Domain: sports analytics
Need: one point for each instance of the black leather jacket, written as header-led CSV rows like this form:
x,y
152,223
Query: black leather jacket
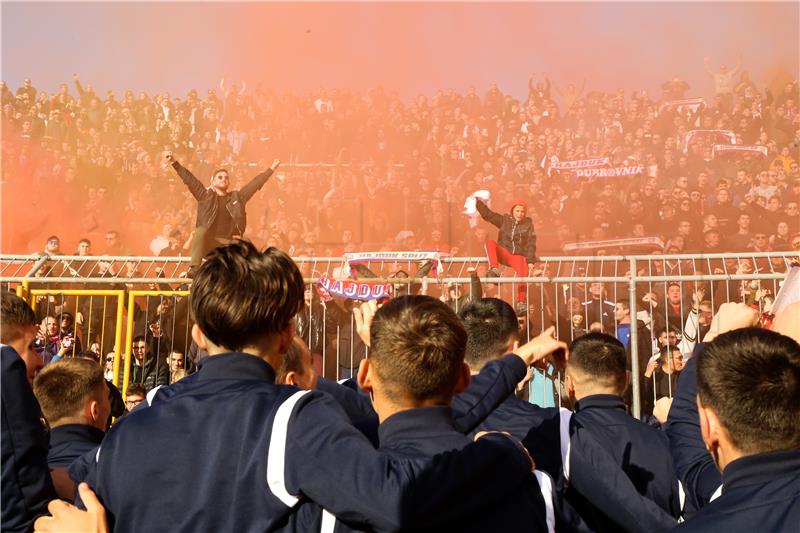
x,y
516,237
207,198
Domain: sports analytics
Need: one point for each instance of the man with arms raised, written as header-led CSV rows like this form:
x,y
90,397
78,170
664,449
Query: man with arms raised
x,y
221,215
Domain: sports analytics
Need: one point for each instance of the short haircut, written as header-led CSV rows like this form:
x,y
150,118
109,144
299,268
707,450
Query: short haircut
x,y
241,296
53,238
225,170
292,361
15,314
625,303
139,338
751,379
64,387
490,324
85,240
601,357
136,389
418,346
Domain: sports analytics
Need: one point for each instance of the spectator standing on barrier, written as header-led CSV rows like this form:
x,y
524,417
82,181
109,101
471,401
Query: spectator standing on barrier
x,y
516,242
221,215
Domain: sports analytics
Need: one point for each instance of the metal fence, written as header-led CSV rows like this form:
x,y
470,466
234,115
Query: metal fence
x,y
670,299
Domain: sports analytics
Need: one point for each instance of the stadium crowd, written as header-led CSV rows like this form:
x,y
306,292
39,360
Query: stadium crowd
x,y
260,442
370,171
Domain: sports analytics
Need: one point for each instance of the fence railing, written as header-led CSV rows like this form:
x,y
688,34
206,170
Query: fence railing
x,y
665,294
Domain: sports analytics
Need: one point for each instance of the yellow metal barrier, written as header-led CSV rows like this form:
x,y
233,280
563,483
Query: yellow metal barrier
x,y
23,289
117,293
132,295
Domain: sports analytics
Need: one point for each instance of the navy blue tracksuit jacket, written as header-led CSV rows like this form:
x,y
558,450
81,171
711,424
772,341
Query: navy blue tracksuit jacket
x,y
755,493
759,493
429,431
226,449
70,441
618,473
26,483
619,469
487,390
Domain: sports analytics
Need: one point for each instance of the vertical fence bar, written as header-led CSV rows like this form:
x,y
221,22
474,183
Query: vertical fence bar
x,y
117,337
634,340
128,342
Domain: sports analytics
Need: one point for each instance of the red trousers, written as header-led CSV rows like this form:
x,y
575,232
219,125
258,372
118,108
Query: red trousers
x,y
500,256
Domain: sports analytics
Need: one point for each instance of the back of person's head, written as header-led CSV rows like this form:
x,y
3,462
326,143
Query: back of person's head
x,y
296,368
242,297
73,391
417,350
597,361
491,326
750,378
15,316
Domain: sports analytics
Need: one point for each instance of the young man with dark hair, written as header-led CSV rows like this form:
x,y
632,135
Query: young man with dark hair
x,y
261,452
736,411
26,484
492,332
136,394
147,368
221,214
415,366
75,402
610,452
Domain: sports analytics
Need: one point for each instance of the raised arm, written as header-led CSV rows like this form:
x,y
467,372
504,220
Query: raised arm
x,y
488,389
498,379
256,183
496,219
390,492
194,185
693,464
78,84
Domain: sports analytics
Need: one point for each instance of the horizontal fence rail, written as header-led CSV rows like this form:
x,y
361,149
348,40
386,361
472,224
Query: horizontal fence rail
x,y
669,299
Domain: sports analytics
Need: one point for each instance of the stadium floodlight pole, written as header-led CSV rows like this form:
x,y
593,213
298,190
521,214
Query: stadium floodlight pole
x,y
634,340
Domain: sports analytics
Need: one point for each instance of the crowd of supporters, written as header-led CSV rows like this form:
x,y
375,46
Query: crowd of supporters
x,y
368,170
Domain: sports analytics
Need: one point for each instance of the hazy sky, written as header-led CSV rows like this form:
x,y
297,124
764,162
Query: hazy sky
x,y
409,47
